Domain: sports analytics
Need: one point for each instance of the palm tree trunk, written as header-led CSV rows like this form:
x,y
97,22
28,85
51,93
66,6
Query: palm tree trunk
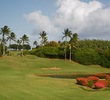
x,y
65,46
3,49
70,52
17,47
22,52
3,43
23,48
65,52
9,49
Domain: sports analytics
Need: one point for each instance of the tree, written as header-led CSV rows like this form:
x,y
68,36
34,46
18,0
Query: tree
x,y
24,39
11,37
67,33
4,31
73,42
74,39
0,41
18,43
43,37
52,43
35,43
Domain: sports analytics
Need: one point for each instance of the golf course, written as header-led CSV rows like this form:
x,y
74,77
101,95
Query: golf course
x,y
54,50
20,79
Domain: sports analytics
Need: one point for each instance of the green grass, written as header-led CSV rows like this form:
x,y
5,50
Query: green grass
x,y
18,80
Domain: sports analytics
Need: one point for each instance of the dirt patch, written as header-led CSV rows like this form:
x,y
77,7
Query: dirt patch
x,y
52,68
31,75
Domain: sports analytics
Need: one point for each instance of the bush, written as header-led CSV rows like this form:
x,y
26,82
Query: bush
x,y
108,82
87,56
94,82
93,78
101,84
48,51
102,76
51,52
105,61
82,81
90,83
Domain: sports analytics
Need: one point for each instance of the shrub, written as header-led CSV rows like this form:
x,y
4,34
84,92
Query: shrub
x,y
90,83
46,51
93,78
102,76
86,56
101,84
82,81
105,61
108,82
94,82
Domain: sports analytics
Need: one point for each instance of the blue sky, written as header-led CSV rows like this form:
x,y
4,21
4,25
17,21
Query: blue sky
x,y
33,16
12,12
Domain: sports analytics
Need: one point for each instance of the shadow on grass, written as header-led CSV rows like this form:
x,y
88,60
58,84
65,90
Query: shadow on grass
x,y
94,90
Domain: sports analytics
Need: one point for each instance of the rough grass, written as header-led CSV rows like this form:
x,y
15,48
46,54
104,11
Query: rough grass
x,y
18,80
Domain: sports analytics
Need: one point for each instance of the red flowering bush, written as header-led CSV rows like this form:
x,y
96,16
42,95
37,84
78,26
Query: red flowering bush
x,y
93,78
102,76
108,78
101,84
108,82
82,81
99,81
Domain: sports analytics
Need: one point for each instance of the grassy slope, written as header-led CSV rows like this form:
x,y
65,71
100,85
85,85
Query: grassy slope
x,y
17,80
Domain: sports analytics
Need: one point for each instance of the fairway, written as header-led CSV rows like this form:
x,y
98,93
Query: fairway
x,y
18,80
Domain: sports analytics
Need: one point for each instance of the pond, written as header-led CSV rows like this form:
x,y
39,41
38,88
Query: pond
x,y
67,76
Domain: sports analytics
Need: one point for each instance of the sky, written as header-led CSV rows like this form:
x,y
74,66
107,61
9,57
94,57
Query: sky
x,y
90,19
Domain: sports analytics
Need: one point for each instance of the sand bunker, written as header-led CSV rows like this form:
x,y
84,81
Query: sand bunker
x,y
52,68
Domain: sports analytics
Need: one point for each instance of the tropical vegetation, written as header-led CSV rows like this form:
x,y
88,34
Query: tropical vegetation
x,y
70,47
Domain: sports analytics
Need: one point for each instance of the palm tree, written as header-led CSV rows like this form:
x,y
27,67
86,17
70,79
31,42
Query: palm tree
x,y
43,37
18,43
73,42
35,43
67,33
24,39
0,41
4,31
11,37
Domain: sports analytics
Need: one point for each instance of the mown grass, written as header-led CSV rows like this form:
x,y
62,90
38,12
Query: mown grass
x,y
19,82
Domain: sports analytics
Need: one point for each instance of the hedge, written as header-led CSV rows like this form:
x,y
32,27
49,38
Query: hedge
x,y
86,56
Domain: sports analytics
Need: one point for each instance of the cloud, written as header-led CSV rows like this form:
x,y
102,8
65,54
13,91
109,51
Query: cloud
x,y
41,22
88,19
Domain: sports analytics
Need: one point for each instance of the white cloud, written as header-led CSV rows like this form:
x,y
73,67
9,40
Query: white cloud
x,y
97,24
42,23
89,20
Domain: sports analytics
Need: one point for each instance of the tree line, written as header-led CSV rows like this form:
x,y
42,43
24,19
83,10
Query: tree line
x,y
85,51
70,47
8,36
